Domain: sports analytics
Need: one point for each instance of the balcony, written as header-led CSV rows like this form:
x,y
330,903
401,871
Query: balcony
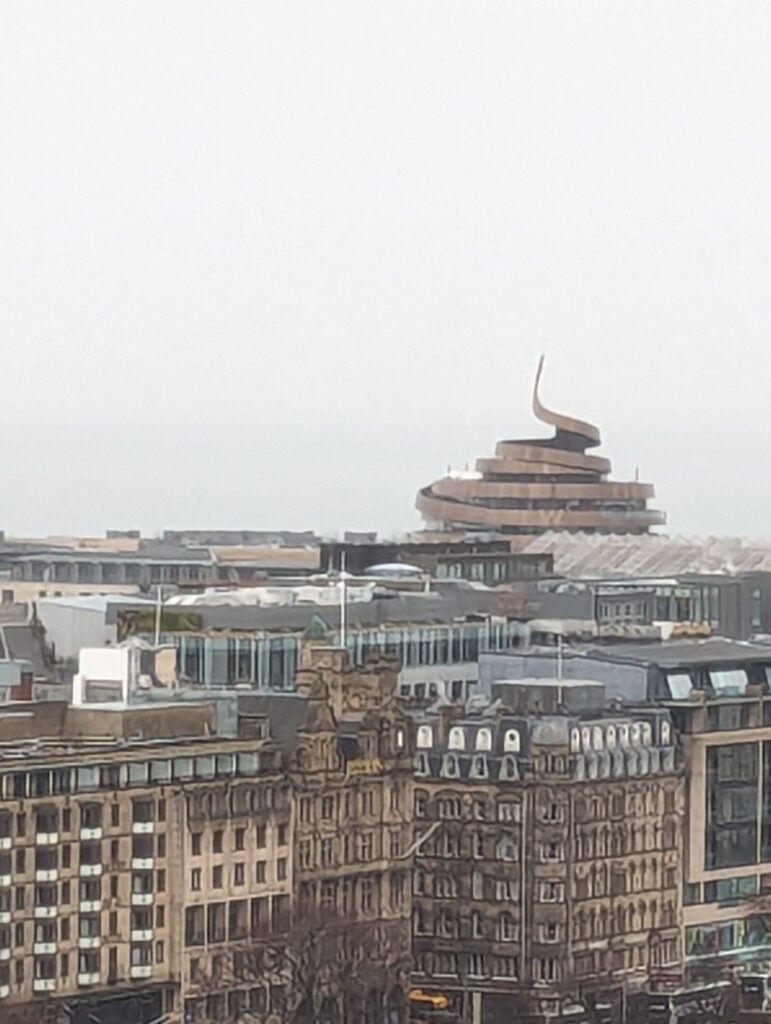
x,y
142,935
44,985
142,863
141,899
46,839
90,870
141,970
90,833
142,828
44,948
88,979
45,913
90,941
46,875
90,906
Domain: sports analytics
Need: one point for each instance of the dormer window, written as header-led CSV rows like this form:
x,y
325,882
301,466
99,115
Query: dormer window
x,y
611,737
457,739
730,682
635,734
597,743
479,767
509,768
450,766
623,735
645,733
586,737
511,741
484,739
425,737
666,734
575,741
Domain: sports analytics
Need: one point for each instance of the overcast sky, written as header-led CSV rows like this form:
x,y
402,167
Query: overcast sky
x,y
276,264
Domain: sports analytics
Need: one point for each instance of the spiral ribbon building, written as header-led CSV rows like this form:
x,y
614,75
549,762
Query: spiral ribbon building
x,y
533,486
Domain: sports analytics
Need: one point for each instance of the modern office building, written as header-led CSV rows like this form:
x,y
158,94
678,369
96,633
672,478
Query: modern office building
x,y
536,485
718,694
436,636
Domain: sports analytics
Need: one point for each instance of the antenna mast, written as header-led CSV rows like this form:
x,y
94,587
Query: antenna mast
x,y
158,606
343,604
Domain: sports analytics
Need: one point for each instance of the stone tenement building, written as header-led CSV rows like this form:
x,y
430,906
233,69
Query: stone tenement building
x,y
151,871
542,484
548,864
347,744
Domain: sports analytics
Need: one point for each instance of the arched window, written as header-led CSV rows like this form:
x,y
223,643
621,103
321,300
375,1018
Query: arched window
x,y
479,767
575,741
666,734
477,885
635,733
506,848
449,807
425,736
599,881
511,741
484,739
586,737
509,768
450,766
646,733
623,735
457,740
597,743
611,737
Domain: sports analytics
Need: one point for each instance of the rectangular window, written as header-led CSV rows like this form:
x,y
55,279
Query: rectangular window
x,y
215,922
732,792
725,717
730,890
691,894
194,926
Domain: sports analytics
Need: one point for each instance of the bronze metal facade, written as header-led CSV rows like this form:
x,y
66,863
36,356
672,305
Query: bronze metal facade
x,y
532,486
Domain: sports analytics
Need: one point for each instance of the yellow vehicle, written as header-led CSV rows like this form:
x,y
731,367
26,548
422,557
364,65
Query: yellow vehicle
x,y
431,1008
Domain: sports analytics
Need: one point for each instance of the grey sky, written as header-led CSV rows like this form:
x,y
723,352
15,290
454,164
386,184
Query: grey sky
x,y
278,263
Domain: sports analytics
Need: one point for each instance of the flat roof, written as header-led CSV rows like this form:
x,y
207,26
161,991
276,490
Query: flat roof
x,y
683,652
